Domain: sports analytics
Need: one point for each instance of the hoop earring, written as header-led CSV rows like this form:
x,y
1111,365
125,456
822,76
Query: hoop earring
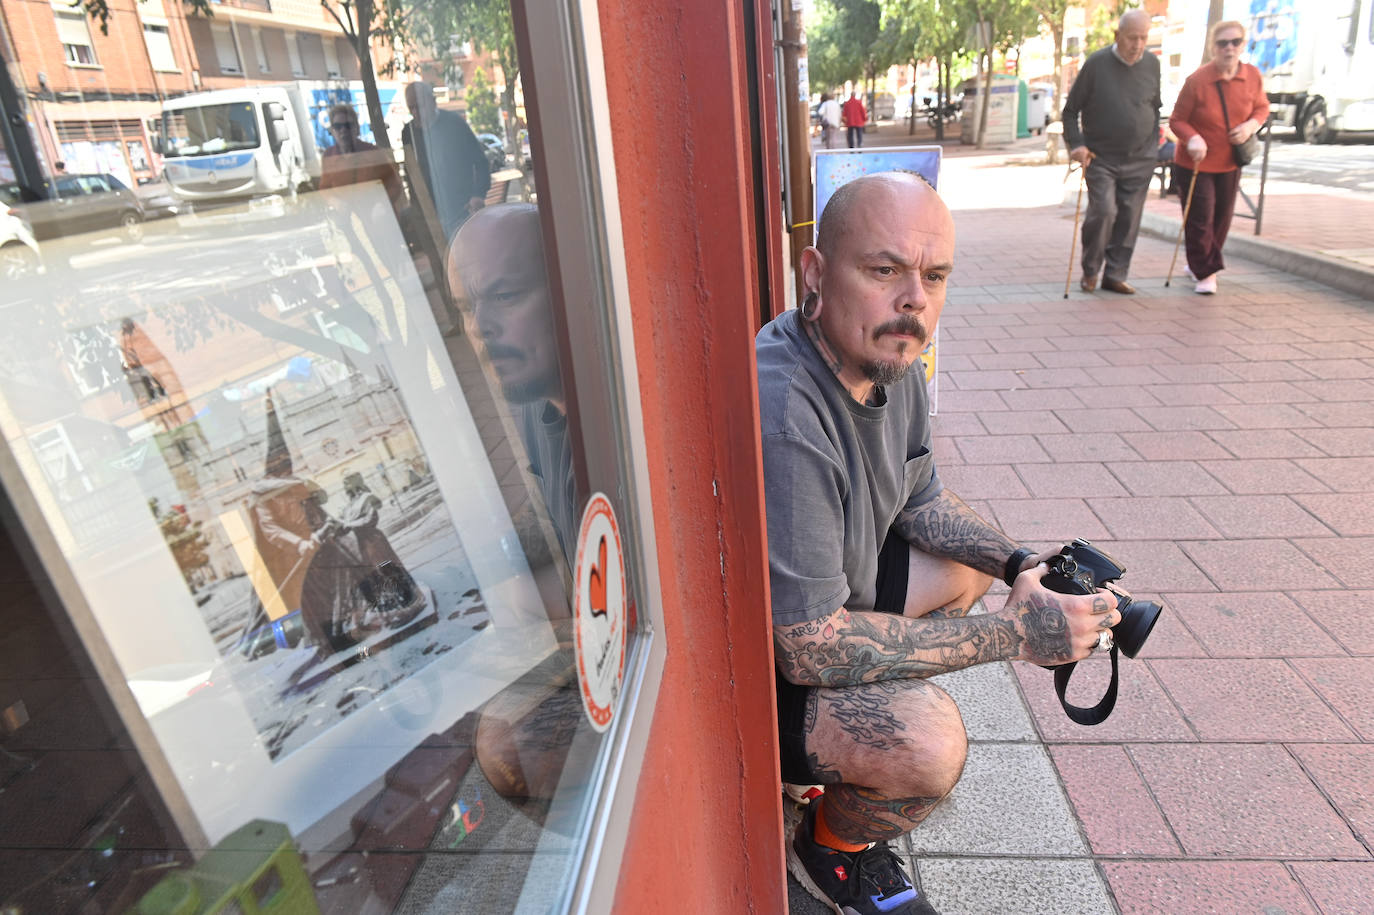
x,y
808,306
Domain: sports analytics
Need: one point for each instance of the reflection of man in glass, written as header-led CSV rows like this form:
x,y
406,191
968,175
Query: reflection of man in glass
x,y
445,166
496,265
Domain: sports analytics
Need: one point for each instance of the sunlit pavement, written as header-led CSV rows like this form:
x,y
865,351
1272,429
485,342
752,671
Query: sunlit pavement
x,y
1221,447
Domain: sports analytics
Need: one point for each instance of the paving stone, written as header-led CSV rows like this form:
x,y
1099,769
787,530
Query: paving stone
x,y
1266,416
1166,478
1259,516
1260,565
1339,887
1344,614
1021,422
1252,699
1143,710
1341,771
1069,479
1343,442
1199,887
1000,449
1242,800
1347,685
989,702
983,481
1263,443
1345,516
1342,474
1174,446
1047,520
1350,559
1106,419
973,820
1087,446
1263,476
1252,625
1148,517
979,886
1112,802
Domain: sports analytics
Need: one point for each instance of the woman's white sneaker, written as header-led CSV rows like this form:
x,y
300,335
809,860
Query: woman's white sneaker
x,y
1206,286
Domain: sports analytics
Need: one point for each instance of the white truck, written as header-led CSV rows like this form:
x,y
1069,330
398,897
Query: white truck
x,y
1317,60
260,141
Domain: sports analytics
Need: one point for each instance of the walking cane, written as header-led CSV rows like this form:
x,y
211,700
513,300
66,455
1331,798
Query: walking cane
x,y
1082,177
1187,204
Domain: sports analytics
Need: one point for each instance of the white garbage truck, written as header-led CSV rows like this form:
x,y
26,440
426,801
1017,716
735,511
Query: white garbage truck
x,y
1317,58
265,141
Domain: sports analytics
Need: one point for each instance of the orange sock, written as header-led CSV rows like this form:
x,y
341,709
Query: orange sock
x,y
824,836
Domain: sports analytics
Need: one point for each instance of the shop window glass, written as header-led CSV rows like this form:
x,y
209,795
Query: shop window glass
x,y
307,604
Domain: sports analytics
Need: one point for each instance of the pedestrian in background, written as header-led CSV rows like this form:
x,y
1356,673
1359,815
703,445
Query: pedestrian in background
x,y
1222,103
1116,96
855,117
830,119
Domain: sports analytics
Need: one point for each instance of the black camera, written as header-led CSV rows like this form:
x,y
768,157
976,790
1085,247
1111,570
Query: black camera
x,y
1081,568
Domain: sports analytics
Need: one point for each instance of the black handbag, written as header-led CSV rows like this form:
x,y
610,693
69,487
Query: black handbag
x,y
1242,153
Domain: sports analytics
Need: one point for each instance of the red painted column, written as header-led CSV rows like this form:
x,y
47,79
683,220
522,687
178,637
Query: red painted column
x,y
706,834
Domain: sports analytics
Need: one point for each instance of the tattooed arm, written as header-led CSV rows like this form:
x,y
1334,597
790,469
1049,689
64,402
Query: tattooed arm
x,y
946,526
847,648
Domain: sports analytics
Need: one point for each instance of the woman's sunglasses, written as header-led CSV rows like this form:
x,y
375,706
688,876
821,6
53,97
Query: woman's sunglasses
x,y
1229,42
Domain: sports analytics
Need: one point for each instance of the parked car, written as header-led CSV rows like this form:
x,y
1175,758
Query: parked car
x,y
495,149
158,199
18,249
78,204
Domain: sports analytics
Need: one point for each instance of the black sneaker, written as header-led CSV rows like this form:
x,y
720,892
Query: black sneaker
x,y
868,882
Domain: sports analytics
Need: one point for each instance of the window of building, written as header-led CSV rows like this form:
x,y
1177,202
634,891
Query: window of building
x,y
75,35
331,58
293,52
226,49
260,51
159,42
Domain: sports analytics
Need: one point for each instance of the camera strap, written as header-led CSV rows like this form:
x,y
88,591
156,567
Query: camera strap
x,y
1098,713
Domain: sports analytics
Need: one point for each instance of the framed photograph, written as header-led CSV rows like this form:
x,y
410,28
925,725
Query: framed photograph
x,y
268,491
836,167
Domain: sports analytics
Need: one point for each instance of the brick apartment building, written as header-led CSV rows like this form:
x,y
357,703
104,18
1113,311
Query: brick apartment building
x,y
95,96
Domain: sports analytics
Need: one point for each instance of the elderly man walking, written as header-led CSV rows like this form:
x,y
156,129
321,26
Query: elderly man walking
x,y
1116,96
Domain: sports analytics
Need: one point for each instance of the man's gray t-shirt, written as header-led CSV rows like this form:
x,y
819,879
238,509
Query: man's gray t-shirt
x,y
835,474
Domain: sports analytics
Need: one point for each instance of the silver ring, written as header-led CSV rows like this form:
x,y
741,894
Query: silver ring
x,y
1104,641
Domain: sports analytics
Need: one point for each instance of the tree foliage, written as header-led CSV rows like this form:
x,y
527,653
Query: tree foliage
x,y
1052,13
842,40
439,24
484,112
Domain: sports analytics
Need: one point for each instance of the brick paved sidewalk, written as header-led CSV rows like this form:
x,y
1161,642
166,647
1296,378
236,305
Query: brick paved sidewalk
x,y
1223,449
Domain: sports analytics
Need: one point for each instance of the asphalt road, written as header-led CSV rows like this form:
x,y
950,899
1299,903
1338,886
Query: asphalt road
x,y
1348,164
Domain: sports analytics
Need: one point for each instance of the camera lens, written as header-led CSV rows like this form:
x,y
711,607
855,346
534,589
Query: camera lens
x,y
1138,618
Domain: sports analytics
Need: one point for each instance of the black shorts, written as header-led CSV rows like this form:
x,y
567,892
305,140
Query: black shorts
x,y
894,565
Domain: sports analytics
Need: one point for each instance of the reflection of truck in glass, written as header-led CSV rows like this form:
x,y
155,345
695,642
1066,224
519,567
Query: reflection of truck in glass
x,y
1318,63
258,141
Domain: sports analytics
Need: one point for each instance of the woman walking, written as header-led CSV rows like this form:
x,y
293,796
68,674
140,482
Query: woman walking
x,y
1222,103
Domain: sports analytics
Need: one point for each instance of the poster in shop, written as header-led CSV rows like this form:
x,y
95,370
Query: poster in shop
x,y
836,167
250,446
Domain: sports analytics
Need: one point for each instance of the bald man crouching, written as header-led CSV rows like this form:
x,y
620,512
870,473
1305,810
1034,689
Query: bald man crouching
x,y
873,564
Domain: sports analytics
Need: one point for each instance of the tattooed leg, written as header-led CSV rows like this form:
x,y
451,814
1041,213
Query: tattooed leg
x,y
892,750
939,587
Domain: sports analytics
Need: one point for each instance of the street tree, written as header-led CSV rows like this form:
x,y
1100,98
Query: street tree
x,y
939,30
1052,13
1000,25
486,24
844,41
484,112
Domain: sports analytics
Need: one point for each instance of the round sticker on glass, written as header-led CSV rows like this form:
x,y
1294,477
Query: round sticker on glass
x,y
599,611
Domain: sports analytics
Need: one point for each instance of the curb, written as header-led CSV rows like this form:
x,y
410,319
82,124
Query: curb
x,y
1343,275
